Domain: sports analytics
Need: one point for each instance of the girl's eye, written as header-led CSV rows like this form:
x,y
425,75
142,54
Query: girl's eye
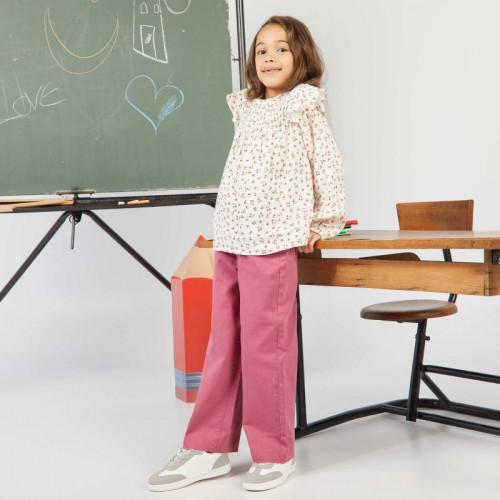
x,y
282,49
261,52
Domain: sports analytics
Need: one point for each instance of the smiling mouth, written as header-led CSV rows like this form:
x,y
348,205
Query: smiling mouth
x,y
270,71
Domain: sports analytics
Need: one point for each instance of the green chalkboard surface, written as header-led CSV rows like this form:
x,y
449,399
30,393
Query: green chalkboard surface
x,y
113,95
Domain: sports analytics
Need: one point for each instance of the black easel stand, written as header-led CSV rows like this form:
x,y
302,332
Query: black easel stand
x,y
76,211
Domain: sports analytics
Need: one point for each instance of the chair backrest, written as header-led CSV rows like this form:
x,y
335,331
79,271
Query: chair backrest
x,y
437,216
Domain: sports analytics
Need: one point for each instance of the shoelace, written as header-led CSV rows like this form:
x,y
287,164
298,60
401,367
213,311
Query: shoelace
x,y
181,456
262,466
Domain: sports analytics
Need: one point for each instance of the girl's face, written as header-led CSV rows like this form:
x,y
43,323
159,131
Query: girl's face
x,y
273,59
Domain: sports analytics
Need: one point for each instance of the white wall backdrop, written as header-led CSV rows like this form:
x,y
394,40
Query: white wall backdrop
x,y
414,104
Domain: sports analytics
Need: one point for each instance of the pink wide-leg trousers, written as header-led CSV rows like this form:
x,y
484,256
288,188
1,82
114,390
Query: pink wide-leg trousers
x,y
250,371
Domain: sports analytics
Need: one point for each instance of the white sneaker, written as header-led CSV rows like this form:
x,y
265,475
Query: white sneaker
x,y
187,467
262,477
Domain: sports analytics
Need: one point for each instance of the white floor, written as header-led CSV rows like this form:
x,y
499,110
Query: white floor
x,y
100,435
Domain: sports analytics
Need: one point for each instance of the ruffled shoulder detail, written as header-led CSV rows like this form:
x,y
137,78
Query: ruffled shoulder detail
x,y
238,104
304,97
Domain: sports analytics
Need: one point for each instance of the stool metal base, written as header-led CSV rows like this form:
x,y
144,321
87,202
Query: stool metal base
x,y
400,407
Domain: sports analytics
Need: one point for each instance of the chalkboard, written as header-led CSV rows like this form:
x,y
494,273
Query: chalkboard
x,y
113,95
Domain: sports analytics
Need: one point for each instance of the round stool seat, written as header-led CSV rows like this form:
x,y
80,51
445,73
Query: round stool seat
x,y
409,310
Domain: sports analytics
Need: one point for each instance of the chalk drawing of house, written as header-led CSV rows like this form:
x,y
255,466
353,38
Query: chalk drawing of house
x,y
149,30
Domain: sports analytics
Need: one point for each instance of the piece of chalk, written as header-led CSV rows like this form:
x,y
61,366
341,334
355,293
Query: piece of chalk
x,y
137,202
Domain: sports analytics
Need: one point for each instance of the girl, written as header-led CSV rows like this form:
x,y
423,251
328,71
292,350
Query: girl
x,y
281,191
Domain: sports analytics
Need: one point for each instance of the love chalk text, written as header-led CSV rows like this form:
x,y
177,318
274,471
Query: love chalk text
x,y
24,105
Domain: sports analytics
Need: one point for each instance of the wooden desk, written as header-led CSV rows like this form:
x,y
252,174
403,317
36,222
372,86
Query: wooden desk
x,y
467,278
471,278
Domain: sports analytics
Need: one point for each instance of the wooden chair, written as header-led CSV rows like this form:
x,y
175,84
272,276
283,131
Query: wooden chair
x,y
425,216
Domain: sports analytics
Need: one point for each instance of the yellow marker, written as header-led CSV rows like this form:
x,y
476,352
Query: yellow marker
x,y
137,202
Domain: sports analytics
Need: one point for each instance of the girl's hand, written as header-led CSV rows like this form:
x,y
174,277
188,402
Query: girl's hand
x,y
313,238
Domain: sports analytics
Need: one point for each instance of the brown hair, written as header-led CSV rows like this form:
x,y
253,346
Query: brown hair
x,y
308,65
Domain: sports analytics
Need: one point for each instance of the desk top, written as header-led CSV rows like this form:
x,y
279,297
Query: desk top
x,y
488,240
471,278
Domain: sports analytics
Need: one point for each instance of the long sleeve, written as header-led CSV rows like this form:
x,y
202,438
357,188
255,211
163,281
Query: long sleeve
x,y
327,174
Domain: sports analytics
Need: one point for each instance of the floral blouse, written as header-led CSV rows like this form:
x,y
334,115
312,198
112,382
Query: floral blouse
x,y
284,176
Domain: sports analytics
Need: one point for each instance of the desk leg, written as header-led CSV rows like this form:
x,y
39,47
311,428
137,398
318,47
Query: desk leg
x,y
301,386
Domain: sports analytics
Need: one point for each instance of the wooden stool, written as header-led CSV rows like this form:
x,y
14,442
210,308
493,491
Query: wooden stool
x,y
428,216
412,311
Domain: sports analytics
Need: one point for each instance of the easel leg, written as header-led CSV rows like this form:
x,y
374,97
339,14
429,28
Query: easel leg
x,y
128,248
27,263
53,230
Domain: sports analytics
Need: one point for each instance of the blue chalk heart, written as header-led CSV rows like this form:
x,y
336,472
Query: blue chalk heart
x,y
166,100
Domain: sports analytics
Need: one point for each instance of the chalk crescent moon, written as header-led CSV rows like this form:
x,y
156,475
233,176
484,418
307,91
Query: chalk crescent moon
x,y
176,11
91,62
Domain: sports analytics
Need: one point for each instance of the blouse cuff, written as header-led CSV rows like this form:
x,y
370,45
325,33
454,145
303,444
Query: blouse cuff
x,y
328,228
